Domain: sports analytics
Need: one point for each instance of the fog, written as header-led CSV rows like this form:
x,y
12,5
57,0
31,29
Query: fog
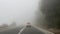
x,y
20,11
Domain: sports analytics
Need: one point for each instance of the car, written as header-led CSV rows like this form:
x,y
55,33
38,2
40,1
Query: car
x,y
28,25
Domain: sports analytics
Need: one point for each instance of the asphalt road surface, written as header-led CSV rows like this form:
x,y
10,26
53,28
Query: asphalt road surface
x,y
27,30
31,30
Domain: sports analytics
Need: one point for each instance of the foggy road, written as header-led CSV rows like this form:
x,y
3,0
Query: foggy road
x,y
27,30
31,30
24,30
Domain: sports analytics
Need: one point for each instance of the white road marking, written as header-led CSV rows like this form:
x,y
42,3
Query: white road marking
x,y
21,30
43,30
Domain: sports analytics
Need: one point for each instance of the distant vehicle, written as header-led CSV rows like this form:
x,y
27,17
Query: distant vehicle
x,y
28,24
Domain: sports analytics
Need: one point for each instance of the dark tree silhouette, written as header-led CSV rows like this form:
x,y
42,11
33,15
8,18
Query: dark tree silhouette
x,y
51,10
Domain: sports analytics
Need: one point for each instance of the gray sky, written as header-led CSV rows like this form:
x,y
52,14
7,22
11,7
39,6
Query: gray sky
x,y
21,11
